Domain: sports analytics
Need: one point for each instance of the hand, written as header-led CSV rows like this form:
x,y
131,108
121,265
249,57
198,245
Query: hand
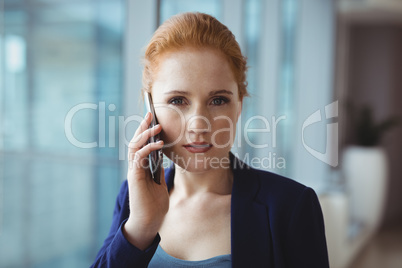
x,y
149,201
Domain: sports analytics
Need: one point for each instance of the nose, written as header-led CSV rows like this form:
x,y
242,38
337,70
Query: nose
x,y
198,122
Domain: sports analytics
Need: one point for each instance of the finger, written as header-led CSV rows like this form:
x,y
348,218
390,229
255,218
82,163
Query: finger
x,y
147,149
140,157
144,124
134,146
142,138
141,128
143,153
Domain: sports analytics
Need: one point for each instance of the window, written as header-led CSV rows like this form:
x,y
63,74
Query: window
x,y
57,199
169,8
70,69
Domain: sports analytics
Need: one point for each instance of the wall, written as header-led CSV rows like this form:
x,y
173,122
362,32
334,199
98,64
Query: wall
x,y
374,78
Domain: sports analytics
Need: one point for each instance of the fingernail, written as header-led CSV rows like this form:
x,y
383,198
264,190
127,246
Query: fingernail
x,y
148,115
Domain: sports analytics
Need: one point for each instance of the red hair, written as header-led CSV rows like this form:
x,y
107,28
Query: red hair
x,y
197,30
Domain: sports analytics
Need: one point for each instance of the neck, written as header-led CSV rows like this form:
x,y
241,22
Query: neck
x,y
215,181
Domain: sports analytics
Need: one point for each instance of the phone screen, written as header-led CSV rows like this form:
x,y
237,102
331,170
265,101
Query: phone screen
x,y
155,158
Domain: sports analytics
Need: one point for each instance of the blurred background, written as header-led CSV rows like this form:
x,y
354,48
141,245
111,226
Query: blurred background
x,y
326,96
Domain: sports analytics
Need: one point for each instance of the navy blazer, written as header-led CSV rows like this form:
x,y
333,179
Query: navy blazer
x,y
275,222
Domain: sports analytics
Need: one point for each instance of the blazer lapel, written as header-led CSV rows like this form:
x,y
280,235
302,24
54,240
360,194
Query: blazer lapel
x,y
251,236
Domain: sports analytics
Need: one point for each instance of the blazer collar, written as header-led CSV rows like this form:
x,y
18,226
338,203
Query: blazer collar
x,y
250,232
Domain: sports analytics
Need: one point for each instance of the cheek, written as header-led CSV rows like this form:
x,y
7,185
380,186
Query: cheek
x,y
224,130
172,124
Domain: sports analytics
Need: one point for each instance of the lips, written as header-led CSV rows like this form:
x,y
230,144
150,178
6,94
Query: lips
x,y
198,147
197,144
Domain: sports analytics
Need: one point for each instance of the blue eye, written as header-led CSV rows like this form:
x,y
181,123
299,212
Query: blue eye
x,y
219,101
179,101
176,101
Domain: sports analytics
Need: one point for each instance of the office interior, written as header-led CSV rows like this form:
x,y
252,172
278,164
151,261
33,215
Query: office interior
x,y
320,72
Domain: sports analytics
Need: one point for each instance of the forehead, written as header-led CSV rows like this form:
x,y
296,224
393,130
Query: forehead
x,y
194,69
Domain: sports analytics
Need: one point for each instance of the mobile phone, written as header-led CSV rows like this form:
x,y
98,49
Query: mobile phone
x,y
155,158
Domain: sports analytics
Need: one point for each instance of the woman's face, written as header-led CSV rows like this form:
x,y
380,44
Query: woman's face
x,y
196,101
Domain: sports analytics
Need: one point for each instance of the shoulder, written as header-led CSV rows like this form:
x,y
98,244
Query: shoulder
x,y
277,187
282,196
270,186
265,179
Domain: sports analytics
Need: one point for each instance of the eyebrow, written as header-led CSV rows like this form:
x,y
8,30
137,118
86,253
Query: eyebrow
x,y
214,92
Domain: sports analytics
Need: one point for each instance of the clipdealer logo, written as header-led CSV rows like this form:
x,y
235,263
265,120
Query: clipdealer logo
x,y
330,156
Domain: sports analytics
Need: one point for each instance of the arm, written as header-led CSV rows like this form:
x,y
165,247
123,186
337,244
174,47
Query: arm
x,y
117,251
305,243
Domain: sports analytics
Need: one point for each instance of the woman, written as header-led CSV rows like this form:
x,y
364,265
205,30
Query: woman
x,y
210,209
